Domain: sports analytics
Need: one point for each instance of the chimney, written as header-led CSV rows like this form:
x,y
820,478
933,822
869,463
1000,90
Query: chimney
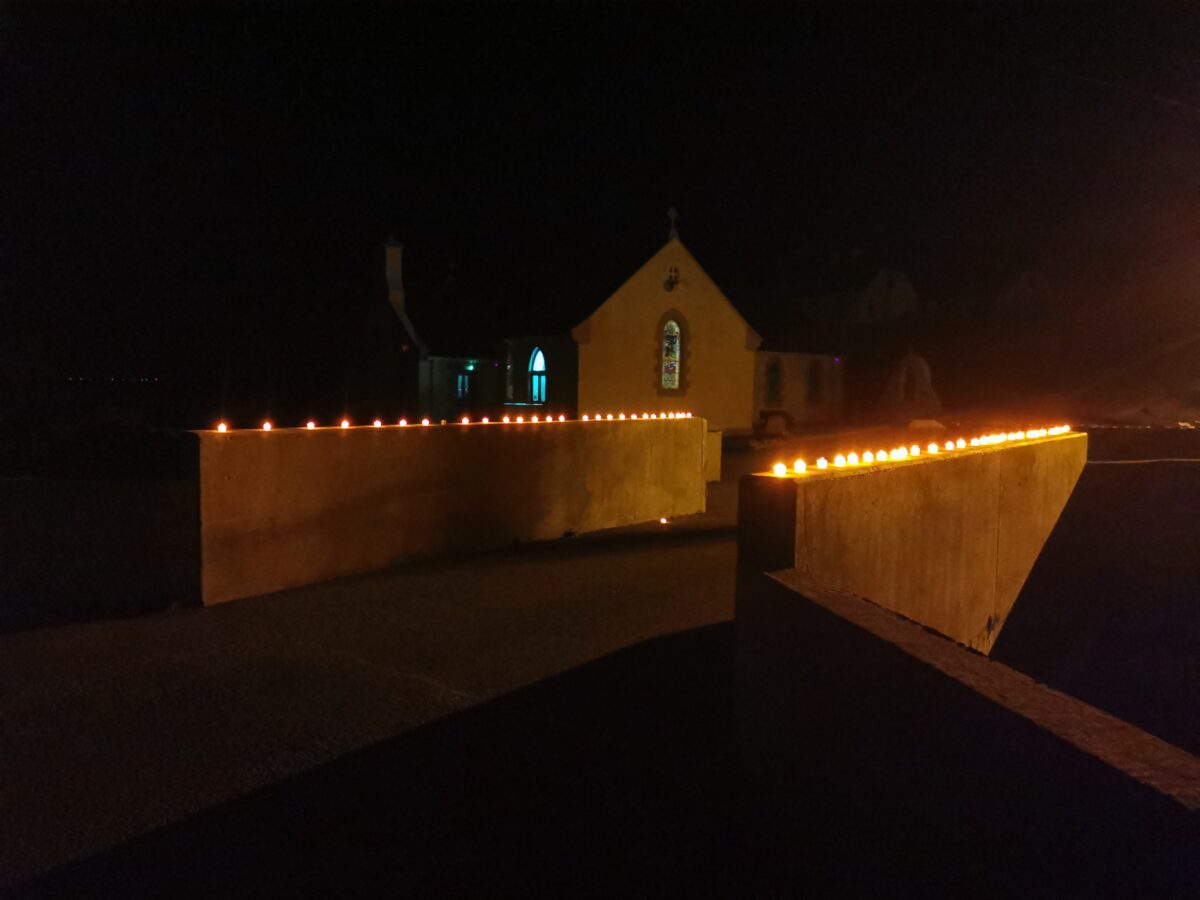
x,y
394,254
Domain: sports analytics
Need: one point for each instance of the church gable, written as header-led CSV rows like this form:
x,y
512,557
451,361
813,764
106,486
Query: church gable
x,y
670,279
668,338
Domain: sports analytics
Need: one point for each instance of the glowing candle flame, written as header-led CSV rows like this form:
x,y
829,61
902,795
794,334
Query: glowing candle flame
x,y
310,425
662,521
377,424
839,461
852,459
868,457
799,466
465,421
881,456
779,469
520,418
633,415
822,463
932,448
221,426
345,423
914,450
534,418
949,445
960,444
266,426
900,453
562,418
484,420
621,416
403,422
505,419
609,417
975,442
585,418
424,421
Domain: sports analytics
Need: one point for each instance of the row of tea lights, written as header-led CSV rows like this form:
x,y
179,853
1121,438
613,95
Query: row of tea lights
x,y
799,467
311,425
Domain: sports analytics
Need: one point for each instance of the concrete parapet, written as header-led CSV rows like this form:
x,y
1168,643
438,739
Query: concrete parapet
x,y
250,512
946,540
830,683
294,506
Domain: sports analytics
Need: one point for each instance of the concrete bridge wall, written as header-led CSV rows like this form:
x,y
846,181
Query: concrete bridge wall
x,y
945,540
293,506
249,512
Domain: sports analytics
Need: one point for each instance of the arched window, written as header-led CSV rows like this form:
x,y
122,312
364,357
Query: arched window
x,y
670,355
774,383
537,376
813,377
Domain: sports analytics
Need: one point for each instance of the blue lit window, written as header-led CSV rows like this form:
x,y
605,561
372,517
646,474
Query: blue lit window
x,y
537,376
464,385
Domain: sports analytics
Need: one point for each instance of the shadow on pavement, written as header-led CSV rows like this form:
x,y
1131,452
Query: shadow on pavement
x,y
1110,612
610,780
25,611
619,779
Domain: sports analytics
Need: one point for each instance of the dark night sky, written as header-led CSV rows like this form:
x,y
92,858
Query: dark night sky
x,y
191,188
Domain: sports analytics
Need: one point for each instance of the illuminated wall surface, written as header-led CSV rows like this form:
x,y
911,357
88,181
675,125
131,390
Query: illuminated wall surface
x,y
620,345
945,535
285,507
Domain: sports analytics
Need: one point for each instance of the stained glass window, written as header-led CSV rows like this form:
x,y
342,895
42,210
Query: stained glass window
x,y
670,356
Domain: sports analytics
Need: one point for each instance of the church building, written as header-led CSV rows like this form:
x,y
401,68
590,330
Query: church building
x,y
667,340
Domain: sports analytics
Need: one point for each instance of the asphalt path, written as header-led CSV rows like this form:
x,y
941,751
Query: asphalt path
x,y
558,720
109,729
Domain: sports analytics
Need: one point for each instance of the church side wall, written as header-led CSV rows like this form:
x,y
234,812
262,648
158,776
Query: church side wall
x,y
620,347
794,398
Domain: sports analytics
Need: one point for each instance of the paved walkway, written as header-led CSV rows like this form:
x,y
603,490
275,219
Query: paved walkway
x,y
555,720
112,728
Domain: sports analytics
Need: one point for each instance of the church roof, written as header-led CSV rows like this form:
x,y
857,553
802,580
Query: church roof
x,y
458,312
